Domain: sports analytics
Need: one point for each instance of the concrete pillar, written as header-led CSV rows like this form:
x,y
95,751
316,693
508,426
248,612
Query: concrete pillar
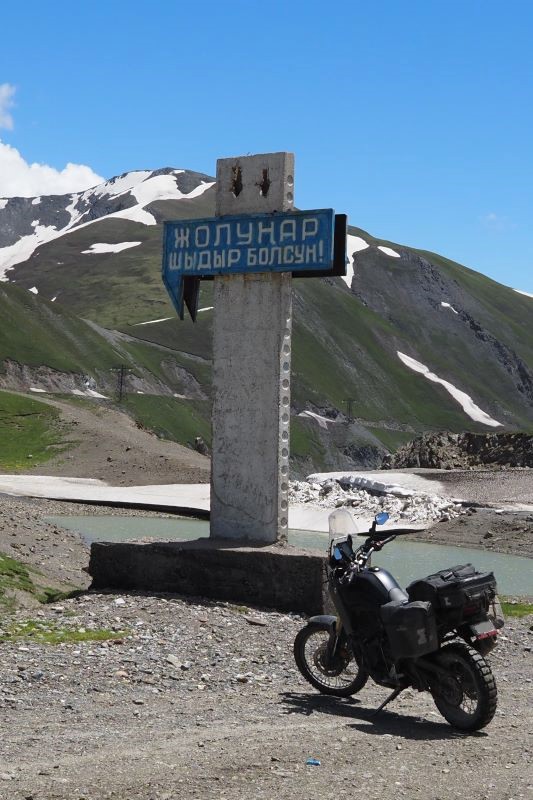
x,y
251,367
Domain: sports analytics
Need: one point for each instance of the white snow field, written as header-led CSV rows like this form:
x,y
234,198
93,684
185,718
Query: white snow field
x,y
353,245
103,247
389,251
464,400
145,187
303,515
89,393
410,499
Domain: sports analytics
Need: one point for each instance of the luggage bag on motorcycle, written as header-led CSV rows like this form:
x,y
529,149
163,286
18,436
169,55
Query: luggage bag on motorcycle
x,y
454,591
411,628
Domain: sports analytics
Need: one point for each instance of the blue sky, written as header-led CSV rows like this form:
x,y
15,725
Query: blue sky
x,y
415,118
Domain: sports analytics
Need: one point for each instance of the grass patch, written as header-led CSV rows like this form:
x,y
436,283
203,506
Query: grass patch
x,y
511,609
172,418
305,442
52,633
27,428
36,332
392,439
16,577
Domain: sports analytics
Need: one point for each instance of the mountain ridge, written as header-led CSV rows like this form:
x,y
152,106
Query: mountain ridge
x,y
466,341
24,226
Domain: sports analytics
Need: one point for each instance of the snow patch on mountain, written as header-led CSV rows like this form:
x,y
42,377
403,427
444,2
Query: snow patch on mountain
x,y
389,251
447,305
134,214
353,245
160,187
152,321
3,203
464,400
104,247
120,185
527,294
25,247
34,290
143,187
323,422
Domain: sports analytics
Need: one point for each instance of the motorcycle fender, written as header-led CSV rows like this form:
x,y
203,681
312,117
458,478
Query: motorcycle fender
x,y
483,636
327,620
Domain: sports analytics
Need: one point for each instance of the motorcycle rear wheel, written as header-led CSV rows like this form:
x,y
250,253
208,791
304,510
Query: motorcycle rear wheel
x,y
467,696
342,678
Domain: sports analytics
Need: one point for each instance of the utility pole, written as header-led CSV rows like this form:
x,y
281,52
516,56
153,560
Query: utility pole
x,y
349,404
121,380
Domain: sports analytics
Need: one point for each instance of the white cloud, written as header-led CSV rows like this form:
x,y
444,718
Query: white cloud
x,y
497,222
20,179
6,102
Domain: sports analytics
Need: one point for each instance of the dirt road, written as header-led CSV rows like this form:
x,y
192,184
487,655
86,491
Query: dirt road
x,y
107,444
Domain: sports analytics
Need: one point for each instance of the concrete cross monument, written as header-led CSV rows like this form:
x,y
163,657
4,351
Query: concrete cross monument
x,y
251,248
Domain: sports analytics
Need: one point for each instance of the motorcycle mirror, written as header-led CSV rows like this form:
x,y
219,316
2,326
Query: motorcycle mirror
x,y
381,518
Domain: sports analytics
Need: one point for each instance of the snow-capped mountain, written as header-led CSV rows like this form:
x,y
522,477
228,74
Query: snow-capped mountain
x,y
26,222
407,342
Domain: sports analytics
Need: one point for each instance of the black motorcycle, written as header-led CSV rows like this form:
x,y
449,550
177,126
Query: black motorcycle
x,y
432,637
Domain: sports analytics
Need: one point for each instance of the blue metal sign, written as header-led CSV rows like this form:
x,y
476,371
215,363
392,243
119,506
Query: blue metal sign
x,y
295,242
251,243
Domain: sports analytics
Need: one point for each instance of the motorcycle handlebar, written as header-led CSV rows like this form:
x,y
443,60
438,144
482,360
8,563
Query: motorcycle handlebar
x,y
397,532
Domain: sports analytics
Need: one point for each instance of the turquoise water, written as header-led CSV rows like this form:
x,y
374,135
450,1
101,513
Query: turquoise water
x,y
406,560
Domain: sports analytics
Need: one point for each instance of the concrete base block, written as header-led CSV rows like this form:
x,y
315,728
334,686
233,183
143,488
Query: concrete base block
x,y
280,577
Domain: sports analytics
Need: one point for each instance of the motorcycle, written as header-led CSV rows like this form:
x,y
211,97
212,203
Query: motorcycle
x,y
432,637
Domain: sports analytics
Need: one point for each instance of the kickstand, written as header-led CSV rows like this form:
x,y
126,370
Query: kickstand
x,y
389,699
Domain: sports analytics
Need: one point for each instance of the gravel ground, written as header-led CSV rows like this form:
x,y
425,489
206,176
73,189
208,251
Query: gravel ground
x,y
498,486
203,700
505,532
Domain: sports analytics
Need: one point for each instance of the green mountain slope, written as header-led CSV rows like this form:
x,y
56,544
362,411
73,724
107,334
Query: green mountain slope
x,y
469,332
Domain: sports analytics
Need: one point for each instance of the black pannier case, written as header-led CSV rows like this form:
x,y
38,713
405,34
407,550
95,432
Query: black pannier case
x,y
455,589
411,628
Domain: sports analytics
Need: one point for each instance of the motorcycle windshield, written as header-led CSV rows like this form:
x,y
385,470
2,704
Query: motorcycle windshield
x,y
342,523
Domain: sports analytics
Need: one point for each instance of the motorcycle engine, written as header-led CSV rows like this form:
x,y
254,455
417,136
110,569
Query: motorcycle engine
x,y
378,660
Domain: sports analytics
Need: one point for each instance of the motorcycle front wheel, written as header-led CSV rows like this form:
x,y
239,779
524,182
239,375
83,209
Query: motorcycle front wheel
x,y
466,695
340,676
